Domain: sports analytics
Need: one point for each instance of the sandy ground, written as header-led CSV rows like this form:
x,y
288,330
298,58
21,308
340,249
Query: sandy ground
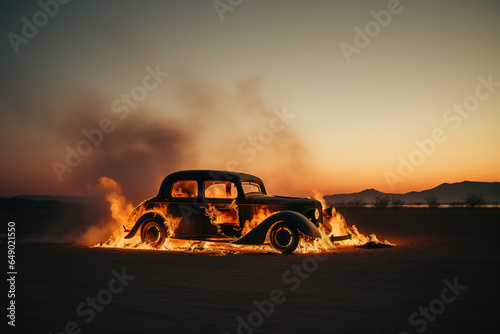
x,y
352,290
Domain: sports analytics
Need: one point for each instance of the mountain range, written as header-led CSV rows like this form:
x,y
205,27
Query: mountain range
x,y
446,193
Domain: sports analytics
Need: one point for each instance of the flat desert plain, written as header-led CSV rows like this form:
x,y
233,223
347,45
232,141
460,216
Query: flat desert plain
x,y
442,277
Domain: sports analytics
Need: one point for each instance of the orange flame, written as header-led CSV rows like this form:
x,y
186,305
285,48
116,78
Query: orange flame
x,y
262,213
228,216
121,209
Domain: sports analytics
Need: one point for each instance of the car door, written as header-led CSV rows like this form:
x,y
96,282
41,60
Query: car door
x,y
184,208
221,216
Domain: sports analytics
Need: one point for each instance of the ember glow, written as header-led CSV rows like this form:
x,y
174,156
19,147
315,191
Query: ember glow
x,y
122,214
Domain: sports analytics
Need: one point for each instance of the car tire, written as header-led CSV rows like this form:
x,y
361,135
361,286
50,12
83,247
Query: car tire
x,y
284,237
153,233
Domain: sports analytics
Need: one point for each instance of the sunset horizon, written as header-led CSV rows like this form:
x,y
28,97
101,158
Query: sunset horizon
x,y
351,102
95,192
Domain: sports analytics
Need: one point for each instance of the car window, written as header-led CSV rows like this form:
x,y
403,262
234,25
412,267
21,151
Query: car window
x,y
185,188
219,189
250,187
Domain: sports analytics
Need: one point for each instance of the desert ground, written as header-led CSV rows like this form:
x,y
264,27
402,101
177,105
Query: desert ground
x,y
442,277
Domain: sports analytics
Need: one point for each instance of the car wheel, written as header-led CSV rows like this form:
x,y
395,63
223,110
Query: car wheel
x,y
153,233
284,237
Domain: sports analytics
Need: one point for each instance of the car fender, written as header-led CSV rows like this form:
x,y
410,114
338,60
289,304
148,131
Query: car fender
x,y
257,235
146,217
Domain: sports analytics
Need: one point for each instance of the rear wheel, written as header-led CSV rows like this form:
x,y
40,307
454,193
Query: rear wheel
x,y
153,233
284,237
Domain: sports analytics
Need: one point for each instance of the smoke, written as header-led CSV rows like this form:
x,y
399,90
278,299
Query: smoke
x,y
239,131
137,152
198,126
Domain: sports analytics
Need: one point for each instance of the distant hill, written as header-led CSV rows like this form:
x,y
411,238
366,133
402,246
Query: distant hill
x,y
64,199
53,218
446,193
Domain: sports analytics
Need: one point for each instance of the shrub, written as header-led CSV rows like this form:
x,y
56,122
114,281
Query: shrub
x,y
396,203
474,200
432,201
381,202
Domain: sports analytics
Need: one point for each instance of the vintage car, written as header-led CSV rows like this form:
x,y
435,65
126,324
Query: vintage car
x,y
222,206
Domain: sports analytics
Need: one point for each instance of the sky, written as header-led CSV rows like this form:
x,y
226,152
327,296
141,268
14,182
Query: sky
x,y
334,96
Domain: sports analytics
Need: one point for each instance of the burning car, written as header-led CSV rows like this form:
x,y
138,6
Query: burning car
x,y
221,206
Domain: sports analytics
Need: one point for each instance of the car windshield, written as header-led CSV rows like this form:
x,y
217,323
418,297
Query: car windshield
x,y
251,187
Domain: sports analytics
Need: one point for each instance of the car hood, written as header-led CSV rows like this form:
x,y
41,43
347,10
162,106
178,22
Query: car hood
x,y
261,199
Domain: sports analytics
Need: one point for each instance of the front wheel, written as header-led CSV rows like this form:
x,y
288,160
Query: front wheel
x,y
284,238
153,233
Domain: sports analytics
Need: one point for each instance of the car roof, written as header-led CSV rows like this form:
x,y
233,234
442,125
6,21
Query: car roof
x,y
214,174
205,174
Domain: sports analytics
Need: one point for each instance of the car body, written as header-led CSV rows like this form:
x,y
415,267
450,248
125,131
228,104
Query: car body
x,y
224,206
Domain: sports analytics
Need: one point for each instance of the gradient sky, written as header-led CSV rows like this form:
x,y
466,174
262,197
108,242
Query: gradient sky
x,y
353,121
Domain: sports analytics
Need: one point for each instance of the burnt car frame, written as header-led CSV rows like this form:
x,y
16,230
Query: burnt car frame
x,y
218,206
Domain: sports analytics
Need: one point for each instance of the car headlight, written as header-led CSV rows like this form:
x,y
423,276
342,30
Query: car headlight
x,y
316,214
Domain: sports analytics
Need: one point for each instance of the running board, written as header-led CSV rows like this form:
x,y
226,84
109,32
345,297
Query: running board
x,y
207,239
340,237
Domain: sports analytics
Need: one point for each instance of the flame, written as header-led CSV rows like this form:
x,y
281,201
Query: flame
x,y
121,210
262,213
158,208
185,189
219,189
337,225
228,217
